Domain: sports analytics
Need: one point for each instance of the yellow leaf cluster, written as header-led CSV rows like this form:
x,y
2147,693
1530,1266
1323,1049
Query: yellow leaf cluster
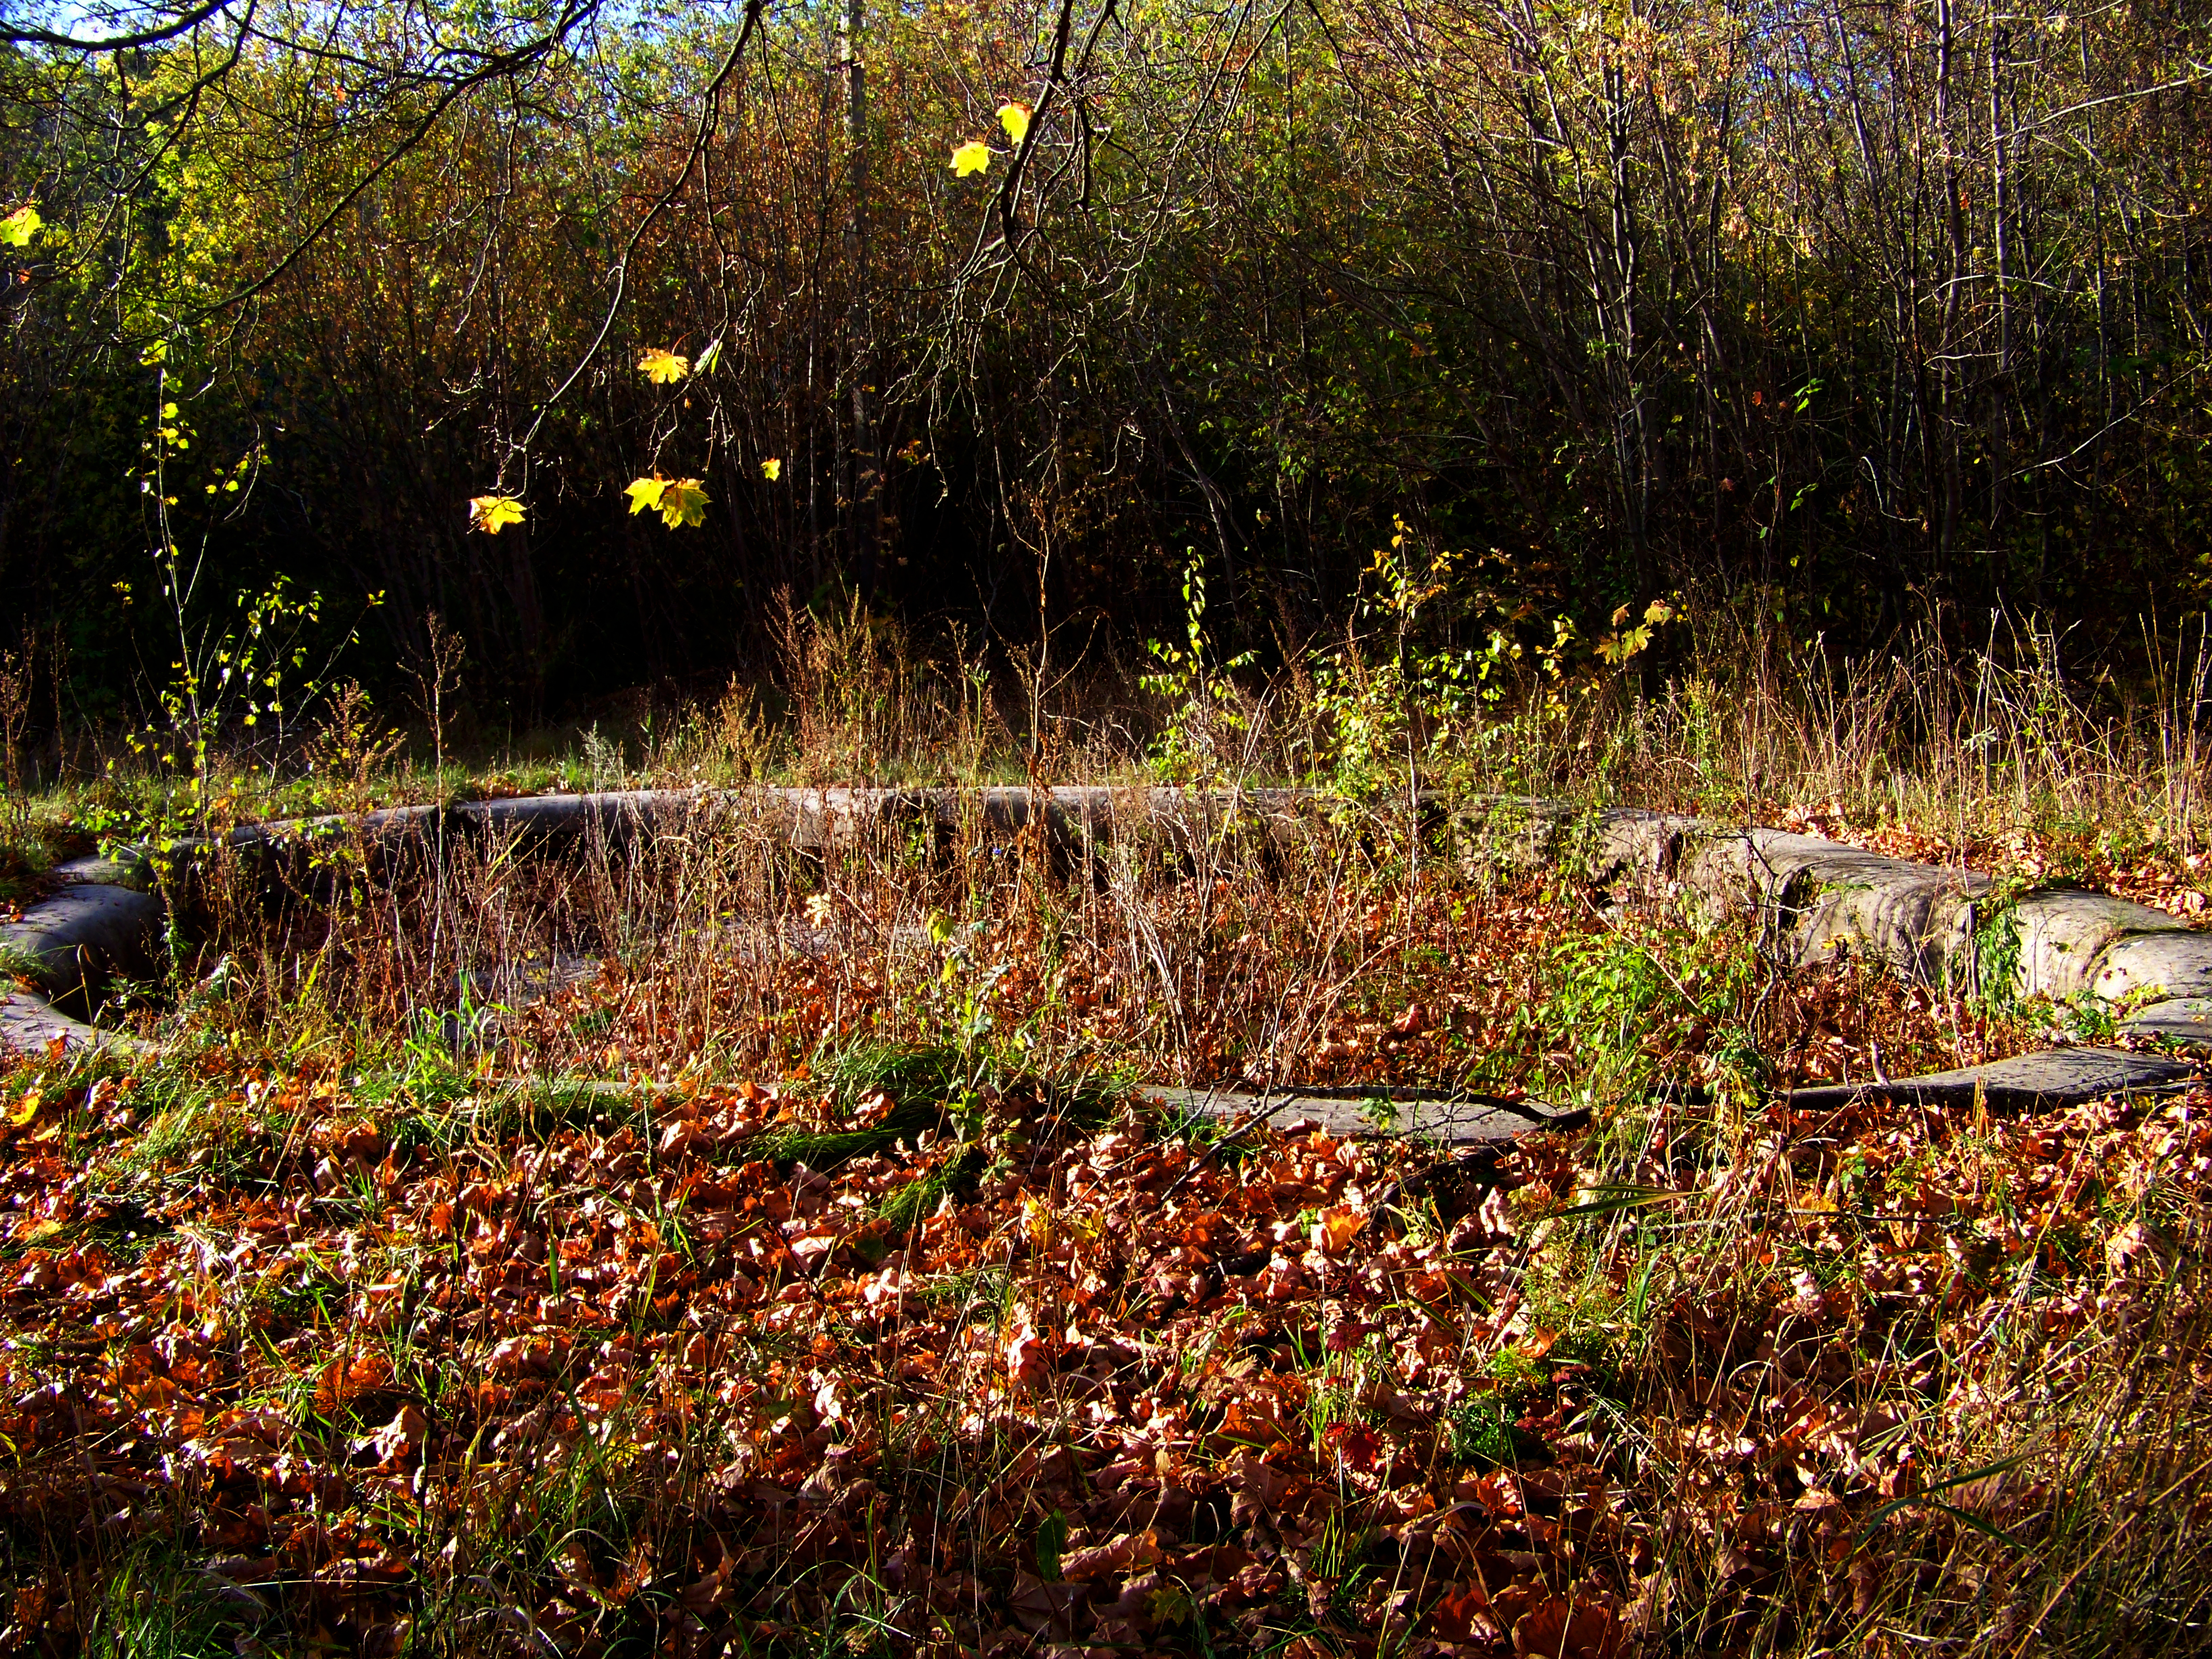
x,y
679,501
1618,648
492,513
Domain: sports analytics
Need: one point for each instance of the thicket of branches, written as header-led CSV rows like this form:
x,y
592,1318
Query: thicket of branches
x,y
1850,309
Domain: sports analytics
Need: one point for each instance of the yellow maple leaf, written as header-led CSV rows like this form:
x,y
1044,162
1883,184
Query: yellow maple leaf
x,y
493,513
683,502
973,157
1015,117
772,469
646,493
663,367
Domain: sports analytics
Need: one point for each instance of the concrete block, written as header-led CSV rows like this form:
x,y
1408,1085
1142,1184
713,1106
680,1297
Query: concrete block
x,y
2064,935
2177,961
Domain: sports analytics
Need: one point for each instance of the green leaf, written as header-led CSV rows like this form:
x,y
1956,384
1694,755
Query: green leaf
x,y
1051,1540
1610,1201
1925,1499
19,227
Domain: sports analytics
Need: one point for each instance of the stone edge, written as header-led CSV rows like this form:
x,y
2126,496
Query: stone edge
x,y
1812,896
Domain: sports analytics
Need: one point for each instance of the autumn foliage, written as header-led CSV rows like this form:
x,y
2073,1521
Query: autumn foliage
x,y
455,1375
820,1280
1837,306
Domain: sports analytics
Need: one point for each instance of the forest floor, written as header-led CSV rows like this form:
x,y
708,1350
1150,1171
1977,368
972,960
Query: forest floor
x,y
805,1278
814,1301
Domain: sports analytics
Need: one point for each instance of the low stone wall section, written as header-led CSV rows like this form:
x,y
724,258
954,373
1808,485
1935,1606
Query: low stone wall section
x,y
1812,898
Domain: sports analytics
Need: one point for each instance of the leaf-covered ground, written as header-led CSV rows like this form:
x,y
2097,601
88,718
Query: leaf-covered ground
x,y
1527,987
419,1364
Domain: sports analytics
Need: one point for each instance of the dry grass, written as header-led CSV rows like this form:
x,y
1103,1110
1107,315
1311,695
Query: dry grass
x,y
858,1318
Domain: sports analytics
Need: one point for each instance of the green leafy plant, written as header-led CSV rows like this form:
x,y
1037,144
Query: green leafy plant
x,y
1385,717
232,686
1998,947
1203,710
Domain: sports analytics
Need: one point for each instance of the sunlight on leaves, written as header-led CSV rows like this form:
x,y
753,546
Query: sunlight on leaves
x,y
683,503
493,513
1015,117
973,157
679,501
19,227
663,367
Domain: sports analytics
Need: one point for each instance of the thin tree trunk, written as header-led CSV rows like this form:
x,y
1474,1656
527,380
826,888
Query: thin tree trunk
x,y
864,526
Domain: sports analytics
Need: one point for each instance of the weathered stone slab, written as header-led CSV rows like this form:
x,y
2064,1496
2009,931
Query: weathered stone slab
x,y
2063,936
1629,841
127,869
2176,963
1817,896
74,940
1922,924
1820,895
30,1024
1346,1113
2058,1077
2180,1019
1510,832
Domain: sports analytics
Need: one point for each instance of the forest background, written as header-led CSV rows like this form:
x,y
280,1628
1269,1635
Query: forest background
x,y
1841,314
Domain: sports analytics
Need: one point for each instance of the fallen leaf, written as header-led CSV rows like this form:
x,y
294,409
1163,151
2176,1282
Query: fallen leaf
x,y
1028,1356
396,1439
1557,1628
1463,1616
